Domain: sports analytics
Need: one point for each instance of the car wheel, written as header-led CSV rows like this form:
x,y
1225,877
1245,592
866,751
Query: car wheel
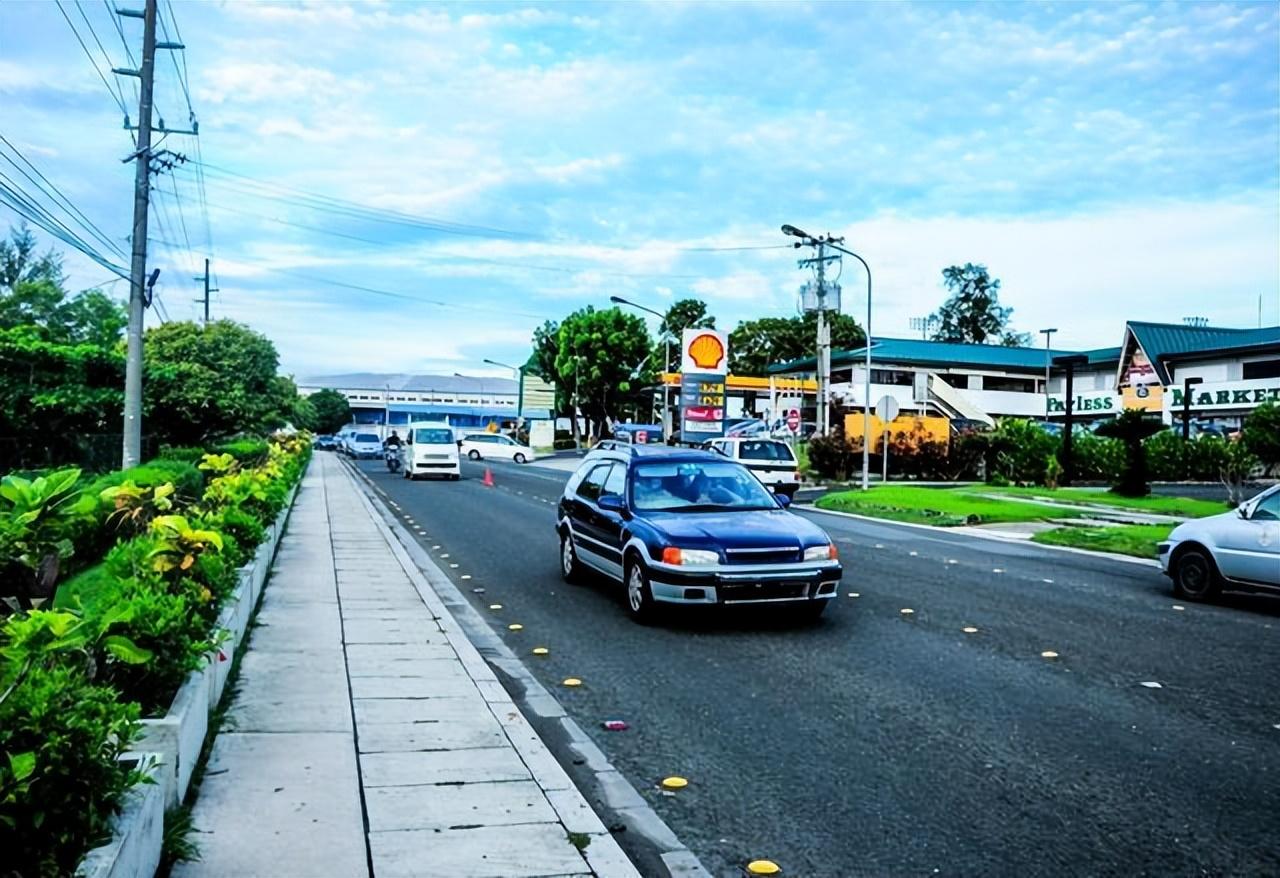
x,y
1195,576
473,454
570,569
520,458
639,596
453,477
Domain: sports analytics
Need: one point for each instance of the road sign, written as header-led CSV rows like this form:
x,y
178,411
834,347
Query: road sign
x,y
793,420
887,408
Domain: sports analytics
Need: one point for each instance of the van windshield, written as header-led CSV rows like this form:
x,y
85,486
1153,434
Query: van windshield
x,y
433,437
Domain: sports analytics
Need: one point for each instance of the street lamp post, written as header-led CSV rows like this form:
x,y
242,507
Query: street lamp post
x,y
1048,357
834,244
666,360
519,374
1187,384
386,410
1069,362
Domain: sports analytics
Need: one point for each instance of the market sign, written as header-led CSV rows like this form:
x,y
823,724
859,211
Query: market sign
x,y
1224,395
704,367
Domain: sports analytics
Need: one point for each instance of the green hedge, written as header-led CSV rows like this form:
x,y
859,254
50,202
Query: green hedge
x,y
249,452
121,635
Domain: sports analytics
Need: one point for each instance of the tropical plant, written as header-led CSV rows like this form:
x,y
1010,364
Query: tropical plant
x,y
179,545
755,345
1131,427
1019,450
133,508
833,455
1237,465
1261,435
36,520
973,312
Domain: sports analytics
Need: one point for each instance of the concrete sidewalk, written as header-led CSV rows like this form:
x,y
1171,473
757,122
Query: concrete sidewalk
x,y
369,738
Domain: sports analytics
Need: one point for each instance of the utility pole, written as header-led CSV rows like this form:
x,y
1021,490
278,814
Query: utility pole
x,y
132,450
824,333
207,291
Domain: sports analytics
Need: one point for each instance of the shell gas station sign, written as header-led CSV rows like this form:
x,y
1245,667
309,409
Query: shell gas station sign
x,y
704,365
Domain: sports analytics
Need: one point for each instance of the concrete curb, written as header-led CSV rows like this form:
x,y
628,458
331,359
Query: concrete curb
x,y
474,641
137,837
987,535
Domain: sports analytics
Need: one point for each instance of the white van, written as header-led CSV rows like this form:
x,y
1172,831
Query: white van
x,y
431,449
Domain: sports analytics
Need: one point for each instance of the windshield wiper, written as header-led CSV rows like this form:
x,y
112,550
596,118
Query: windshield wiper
x,y
715,507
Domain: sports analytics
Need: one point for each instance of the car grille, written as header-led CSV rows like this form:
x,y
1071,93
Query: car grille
x,y
764,555
761,591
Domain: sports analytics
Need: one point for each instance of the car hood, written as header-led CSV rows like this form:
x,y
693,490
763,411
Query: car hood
x,y
745,529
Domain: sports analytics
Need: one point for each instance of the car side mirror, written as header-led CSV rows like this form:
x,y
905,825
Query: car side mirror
x,y
612,503
783,500
459,443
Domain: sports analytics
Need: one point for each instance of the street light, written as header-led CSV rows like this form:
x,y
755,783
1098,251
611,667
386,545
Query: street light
x,y
866,393
519,373
1187,384
1069,362
666,359
1048,356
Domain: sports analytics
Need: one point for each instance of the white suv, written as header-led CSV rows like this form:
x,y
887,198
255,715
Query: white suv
x,y
481,445
772,461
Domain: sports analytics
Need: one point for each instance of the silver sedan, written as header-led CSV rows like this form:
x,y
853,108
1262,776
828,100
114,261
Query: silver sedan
x,y
1238,549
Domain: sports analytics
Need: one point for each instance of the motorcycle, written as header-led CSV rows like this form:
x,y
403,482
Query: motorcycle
x,y
392,455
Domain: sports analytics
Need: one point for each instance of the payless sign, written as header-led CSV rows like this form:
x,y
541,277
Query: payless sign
x,y
704,363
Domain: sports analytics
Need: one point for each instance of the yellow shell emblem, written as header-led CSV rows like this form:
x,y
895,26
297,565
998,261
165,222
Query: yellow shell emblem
x,y
706,351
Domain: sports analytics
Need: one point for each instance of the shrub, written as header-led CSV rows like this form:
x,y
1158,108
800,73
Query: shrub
x,y
1132,427
1169,459
40,521
249,452
1096,458
187,480
61,737
186,454
1019,450
833,455
1261,435
238,526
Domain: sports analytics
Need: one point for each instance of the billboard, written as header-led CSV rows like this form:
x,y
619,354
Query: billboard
x,y
704,364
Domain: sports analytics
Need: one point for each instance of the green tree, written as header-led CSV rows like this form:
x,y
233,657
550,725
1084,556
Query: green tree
x,y
755,345
683,314
1261,434
332,411
973,312
204,383
602,356
32,293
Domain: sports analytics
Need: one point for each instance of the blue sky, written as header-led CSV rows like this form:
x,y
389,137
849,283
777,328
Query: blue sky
x,y
1108,162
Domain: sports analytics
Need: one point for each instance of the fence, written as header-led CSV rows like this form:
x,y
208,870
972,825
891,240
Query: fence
x,y
92,452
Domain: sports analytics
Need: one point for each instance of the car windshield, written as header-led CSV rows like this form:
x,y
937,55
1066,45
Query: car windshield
x,y
366,437
433,437
697,486
765,450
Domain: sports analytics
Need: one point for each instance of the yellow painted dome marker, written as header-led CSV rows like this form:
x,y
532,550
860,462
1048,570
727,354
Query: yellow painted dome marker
x,y
1049,654
495,606
515,626
854,594
674,783
906,611
969,629
541,650
764,867
572,681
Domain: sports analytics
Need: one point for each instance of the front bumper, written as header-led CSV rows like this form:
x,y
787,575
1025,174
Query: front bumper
x,y
732,584
1164,551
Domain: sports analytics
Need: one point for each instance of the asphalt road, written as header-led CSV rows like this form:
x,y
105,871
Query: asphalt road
x,y
881,743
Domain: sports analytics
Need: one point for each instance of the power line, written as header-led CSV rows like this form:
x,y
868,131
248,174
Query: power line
x,y
181,72
12,195
115,94
106,57
57,195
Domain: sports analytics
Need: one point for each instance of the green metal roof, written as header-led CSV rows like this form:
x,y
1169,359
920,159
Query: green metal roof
x,y
919,352
1164,342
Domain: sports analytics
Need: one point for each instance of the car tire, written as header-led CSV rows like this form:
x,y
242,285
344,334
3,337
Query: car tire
x,y
520,458
637,594
570,566
1195,576
473,454
453,477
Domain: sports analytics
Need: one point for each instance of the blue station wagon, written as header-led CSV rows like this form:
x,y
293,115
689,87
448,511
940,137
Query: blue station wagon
x,y
679,526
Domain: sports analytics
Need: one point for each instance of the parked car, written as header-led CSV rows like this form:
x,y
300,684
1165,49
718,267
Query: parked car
x,y
481,445
431,449
325,443
637,434
680,526
363,446
1238,549
770,460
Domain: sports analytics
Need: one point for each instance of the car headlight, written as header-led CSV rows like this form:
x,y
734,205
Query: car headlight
x,y
690,557
822,553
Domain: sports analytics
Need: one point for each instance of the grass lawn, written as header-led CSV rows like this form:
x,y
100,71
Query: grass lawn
x,y
1181,507
1126,539
802,458
945,507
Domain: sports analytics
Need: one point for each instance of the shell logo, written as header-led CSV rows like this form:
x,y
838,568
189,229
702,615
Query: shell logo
x,y
706,351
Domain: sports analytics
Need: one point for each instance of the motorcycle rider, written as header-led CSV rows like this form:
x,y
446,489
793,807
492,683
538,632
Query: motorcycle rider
x,y
393,446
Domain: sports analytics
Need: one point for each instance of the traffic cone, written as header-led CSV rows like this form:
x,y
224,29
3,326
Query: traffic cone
x,y
488,477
